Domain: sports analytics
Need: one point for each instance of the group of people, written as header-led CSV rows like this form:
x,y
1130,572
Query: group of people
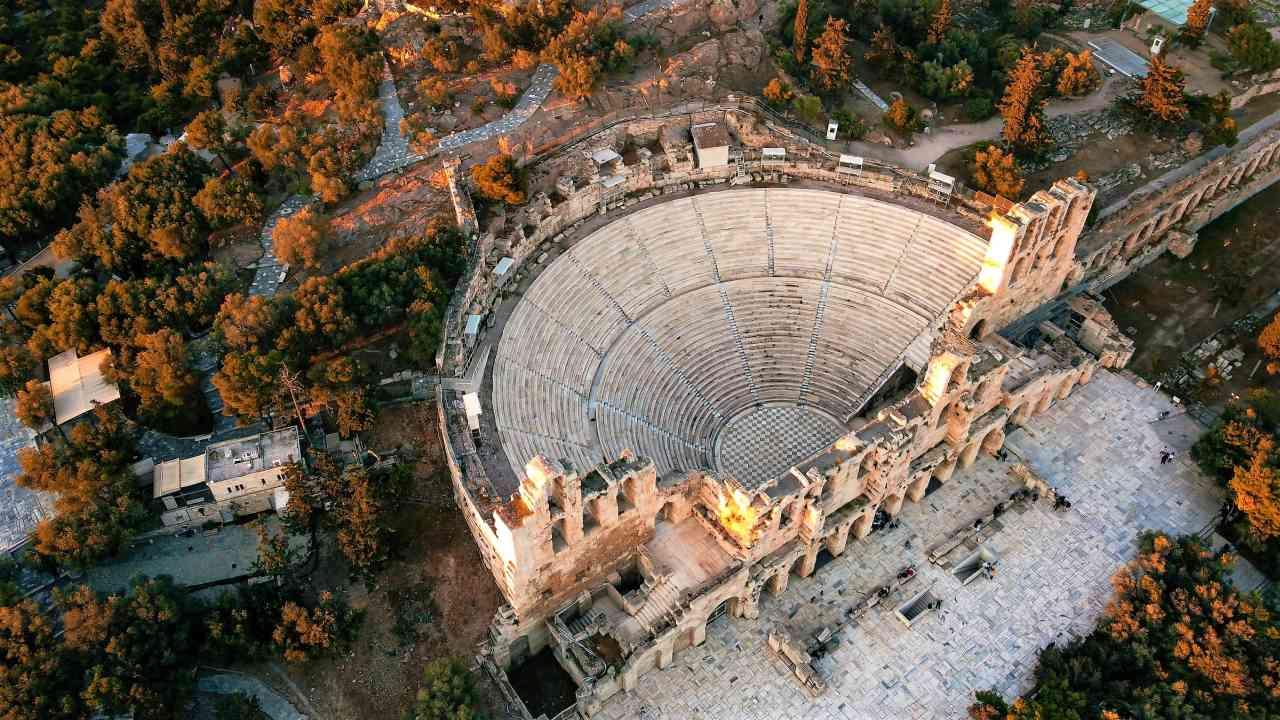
x,y
1166,456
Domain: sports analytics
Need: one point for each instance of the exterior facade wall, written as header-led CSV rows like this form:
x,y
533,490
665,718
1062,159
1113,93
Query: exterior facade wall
x,y
561,542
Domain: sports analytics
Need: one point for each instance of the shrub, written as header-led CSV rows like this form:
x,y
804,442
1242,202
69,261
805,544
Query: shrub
x,y
902,117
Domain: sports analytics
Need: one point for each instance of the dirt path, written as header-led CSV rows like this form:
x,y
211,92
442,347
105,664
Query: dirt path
x,y
929,148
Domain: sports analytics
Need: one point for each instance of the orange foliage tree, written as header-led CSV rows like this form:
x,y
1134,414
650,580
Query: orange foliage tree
x,y
996,171
1078,76
801,30
778,92
1256,489
1022,106
1269,343
940,24
1162,95
499,179
830,61
1197,22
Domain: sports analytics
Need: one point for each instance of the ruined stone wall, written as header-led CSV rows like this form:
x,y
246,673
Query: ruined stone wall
x,y
1166,213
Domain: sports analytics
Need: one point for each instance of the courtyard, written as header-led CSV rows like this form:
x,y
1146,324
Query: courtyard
x,y
1100,448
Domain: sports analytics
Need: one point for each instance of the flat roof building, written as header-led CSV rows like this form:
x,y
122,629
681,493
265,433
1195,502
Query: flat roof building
x,y
233,478
77,384
710,145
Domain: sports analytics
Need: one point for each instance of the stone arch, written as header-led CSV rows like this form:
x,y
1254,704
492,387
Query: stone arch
x,y
979,330
993,440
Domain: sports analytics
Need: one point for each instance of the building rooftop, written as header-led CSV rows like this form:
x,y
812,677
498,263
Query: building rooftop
x,y
710,135
77,384
173,475
237,458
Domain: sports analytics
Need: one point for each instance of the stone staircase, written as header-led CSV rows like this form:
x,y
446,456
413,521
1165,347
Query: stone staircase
x,y
661,607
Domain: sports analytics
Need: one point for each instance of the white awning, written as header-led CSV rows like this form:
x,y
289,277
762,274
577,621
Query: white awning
x,y
606,155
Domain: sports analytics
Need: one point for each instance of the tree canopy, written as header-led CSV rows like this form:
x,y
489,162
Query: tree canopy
x,y
1176,641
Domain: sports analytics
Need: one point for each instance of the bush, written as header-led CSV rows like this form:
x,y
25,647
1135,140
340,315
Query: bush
x,y
979,106
902,117
448,693
851,126
807,108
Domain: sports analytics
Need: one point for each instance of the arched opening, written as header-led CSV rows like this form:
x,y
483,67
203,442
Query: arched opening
x,y
979,330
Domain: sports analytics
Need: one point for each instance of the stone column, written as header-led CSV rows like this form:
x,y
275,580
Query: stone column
x,y
916,489
1064,391
630,677
862,526
1045,401
699,633
1086,375
837,541
892,504
970,454
666,652
945,471
778,583
809,560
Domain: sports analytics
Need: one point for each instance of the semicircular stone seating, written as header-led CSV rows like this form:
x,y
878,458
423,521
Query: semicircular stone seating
x,y
657,331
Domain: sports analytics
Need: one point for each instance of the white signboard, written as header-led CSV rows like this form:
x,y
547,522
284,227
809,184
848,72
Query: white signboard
x,y
832,127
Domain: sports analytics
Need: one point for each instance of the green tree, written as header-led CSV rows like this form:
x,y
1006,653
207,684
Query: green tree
x,y
136,646
39,679
1253,47
448,693
209,131
149,216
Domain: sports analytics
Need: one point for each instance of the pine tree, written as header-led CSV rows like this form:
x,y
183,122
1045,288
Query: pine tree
x,y
1022,106
801,30
1197,22
941,23
830,61
1162,93
1078,76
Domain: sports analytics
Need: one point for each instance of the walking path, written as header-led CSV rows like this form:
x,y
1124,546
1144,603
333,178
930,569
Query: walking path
x,y
929,148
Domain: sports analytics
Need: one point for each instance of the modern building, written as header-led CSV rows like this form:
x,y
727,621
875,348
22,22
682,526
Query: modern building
x,y
229,479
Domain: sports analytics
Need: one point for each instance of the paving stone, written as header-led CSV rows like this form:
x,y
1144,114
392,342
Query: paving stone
x,y
1100,447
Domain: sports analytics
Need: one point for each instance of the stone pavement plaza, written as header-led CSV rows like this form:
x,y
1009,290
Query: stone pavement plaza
x,y
1100,447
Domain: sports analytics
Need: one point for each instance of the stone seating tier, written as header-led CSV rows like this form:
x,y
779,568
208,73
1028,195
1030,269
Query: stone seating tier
x,y
653,331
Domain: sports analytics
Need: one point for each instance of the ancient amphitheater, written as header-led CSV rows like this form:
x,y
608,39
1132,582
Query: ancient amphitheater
x,y
736,331
682,375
